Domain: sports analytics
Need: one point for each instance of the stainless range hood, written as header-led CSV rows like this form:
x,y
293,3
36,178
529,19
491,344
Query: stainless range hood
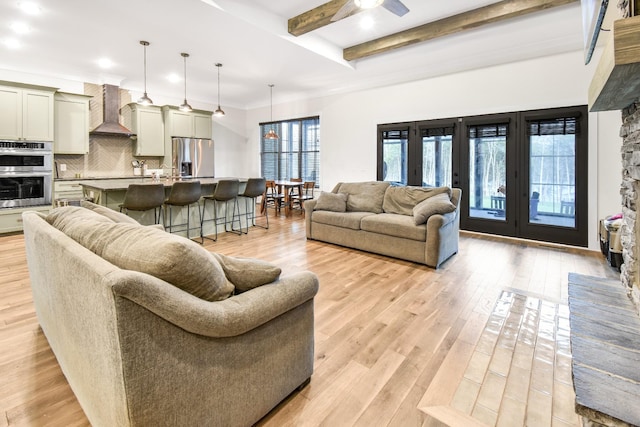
x,y
110,114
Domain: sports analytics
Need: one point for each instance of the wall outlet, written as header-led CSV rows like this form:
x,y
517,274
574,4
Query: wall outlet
x,y
63,167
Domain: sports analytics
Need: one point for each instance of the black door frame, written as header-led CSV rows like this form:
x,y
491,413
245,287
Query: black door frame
x,y
516,223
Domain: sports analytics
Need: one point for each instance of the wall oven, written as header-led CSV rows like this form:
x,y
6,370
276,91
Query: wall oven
x,y
26,173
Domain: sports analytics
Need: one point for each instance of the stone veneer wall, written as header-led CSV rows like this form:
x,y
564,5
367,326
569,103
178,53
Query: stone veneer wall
x,y
630,189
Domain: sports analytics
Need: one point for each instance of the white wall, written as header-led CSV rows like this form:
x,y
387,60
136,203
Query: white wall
x,y
348,122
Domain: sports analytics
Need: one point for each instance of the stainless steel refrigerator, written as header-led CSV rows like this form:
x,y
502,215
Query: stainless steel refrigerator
x,y
192,157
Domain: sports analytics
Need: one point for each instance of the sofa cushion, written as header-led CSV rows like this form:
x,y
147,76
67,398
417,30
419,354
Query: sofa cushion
x,y
334,202
247,273
340,219
63,217
402,199
394,225
109,213
174,259
439,204
363,196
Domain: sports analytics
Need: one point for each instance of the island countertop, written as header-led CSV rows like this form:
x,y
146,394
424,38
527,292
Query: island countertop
x,y
119,184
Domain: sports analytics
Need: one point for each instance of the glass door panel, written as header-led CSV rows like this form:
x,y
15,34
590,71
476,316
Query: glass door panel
x,y
395,155
552,177
488,172
437,157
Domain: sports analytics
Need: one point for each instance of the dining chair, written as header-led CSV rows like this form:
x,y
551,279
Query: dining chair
x,y
144,197
273,197
306,194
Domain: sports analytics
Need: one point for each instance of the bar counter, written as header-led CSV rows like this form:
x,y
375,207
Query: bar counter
x,y
110,193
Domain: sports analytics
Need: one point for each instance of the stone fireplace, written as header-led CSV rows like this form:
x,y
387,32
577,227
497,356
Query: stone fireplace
x,y
630,191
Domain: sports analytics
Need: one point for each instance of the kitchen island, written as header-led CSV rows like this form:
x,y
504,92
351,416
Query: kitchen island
x,y
110,193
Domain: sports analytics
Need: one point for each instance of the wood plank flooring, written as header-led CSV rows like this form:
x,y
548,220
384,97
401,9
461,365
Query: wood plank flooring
x,y
396,342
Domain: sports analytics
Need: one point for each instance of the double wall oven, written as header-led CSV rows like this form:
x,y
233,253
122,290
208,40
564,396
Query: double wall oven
x,y
26,169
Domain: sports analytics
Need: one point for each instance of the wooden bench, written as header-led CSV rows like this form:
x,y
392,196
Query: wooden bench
x,y
605,345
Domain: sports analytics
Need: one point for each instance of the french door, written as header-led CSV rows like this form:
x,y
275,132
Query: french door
x,y
522,174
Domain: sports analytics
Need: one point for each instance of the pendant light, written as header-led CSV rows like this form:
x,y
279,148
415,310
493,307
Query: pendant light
x,y
219,112
185,105
272,133
145,100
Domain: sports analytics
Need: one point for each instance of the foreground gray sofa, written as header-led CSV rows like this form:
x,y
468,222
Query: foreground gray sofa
x,y
139,351
380,218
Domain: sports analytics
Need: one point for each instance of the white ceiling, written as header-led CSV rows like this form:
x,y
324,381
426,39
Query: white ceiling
x,y
250,39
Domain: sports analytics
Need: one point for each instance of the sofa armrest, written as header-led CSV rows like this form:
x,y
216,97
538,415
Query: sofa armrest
x,y
231,317
309,206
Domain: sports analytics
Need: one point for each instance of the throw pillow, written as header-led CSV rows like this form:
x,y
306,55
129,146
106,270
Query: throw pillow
x,y
247,273
364,196
174,259
438,204
402,199
65,216
334,202
115,216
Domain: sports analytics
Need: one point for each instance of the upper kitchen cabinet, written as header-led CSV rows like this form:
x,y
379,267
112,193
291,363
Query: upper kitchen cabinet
x,y
26,112
194,124
146,122
71,134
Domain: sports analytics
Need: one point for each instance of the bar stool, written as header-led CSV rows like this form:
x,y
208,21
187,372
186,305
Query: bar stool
x,y
183,193
226,190
144,197
255,187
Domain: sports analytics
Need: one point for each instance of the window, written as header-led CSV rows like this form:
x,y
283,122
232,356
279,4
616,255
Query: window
x,y
296,154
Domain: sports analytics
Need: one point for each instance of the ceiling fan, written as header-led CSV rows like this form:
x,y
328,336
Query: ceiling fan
x,y
393,6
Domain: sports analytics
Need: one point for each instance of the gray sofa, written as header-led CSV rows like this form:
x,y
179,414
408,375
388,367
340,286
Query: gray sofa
x,y
411,223
138,350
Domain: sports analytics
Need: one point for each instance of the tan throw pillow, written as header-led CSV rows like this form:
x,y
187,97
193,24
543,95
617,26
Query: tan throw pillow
x,y
331,202
364,196
115,216
248,273
63,217
174,259
402,199
438,204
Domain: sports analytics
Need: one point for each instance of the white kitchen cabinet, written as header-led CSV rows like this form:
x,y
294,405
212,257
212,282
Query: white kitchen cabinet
x,y
146,122
202,125
11,218
194,124
71,133
26,112
68,189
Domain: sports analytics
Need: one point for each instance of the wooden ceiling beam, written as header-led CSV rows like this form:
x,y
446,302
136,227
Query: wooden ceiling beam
x,y
316,18
496,12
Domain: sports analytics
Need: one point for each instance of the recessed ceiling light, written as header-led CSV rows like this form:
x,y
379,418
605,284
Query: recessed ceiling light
x,y
105,63
366,22
29,7
20,28
174,78
12,43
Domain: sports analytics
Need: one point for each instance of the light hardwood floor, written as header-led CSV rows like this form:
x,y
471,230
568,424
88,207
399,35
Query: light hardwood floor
x,y
397,343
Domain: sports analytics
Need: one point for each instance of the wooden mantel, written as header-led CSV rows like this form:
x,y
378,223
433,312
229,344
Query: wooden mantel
x,y
616,82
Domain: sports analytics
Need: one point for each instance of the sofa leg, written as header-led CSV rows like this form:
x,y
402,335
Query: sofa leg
x,y
304,384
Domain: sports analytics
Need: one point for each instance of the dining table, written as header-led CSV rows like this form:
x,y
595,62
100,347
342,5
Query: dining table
x,y
286,187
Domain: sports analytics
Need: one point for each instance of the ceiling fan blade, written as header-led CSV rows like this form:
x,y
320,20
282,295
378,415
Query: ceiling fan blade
x,y
346,10
395,6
